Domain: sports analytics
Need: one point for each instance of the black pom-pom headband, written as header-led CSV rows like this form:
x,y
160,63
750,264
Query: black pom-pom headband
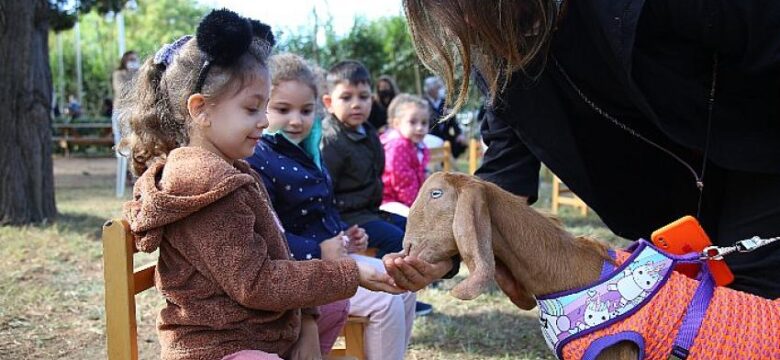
x,y
224,36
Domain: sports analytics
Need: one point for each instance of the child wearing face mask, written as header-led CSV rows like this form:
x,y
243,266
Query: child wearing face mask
x,y
386,90
405,153
301,191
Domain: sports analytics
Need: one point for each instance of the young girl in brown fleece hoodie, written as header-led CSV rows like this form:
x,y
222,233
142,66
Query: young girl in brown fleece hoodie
x,y
232,291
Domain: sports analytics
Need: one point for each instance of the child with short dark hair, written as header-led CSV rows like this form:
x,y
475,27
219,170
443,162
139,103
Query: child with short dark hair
x,y
195,110
354,155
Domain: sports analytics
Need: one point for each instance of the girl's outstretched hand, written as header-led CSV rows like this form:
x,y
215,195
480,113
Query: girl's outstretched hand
x,y
372,279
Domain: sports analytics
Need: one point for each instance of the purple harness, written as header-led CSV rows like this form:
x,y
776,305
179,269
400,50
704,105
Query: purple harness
x,y
619,293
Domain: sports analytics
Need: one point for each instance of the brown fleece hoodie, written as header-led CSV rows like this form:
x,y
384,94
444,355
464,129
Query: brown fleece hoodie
x,y
224,266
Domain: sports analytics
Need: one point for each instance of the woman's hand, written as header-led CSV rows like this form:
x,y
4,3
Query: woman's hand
x,y
358,239
333,248
308,345
372,279
412,273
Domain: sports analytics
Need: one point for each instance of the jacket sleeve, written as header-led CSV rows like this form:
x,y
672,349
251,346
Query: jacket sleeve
x,y
401,176
507,161
237,259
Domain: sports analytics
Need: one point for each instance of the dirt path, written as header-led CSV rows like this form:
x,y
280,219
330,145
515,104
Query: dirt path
x,y
77,172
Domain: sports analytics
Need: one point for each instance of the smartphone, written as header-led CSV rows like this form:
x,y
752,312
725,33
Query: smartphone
x,y
684,236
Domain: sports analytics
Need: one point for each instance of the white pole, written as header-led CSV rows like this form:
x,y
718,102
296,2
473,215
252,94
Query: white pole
x,y
121,161
79,76
60,72
120,32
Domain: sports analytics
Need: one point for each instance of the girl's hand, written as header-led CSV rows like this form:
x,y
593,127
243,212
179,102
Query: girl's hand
x,y
372,279
412,273
333,248
308,345
358,239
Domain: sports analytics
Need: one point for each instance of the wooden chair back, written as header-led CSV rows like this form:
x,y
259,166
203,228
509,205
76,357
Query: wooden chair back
x,y
475,154
441,158
561,195
122,283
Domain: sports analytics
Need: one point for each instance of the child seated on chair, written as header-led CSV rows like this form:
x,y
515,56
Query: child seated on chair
x,y
353,154
298,183
406,156
196,109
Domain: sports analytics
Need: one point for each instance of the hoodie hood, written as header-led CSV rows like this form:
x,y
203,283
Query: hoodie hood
x,y
190,179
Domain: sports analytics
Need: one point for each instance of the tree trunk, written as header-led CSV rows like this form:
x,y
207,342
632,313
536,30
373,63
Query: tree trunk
x,y
26,174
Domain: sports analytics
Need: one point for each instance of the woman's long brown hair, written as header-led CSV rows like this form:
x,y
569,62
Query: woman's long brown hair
x,y
497,37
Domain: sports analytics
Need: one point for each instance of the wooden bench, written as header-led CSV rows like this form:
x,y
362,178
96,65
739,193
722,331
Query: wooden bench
x,y
561,195
123,282
68,135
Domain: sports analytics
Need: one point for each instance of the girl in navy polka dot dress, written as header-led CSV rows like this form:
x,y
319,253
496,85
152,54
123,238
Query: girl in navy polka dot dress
x,y
300,187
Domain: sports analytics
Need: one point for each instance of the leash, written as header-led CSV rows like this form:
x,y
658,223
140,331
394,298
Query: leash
x,y
743,246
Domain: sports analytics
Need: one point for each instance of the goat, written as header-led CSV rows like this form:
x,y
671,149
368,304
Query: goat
x,y
460,214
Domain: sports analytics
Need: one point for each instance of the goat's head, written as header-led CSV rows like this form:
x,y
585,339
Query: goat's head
x,y
451,216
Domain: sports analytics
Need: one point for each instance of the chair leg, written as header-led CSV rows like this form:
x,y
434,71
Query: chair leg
x,y
353,335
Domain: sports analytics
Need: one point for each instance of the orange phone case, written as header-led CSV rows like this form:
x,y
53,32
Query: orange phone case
x,y
685,235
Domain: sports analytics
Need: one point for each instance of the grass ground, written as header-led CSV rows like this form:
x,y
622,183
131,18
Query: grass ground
x,y
51,288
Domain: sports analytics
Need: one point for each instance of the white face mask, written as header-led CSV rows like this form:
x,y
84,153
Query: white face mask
x,y
133,65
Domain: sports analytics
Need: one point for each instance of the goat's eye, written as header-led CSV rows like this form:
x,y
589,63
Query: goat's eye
x,y
436,193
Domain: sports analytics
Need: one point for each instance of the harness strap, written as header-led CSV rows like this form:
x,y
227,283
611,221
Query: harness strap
x,y
694,316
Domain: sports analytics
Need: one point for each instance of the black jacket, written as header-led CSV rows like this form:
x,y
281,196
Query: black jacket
x,y
650,65
356,162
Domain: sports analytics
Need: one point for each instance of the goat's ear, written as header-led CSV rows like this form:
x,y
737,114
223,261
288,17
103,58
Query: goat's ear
x,y
472,230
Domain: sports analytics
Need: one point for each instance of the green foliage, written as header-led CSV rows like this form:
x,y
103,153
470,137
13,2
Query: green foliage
x,y
383,45
149,26
158,22
64,13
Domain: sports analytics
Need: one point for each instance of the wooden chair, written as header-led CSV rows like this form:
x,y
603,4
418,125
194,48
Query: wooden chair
x,y
441,158
122,283
475,152
561,195
351,341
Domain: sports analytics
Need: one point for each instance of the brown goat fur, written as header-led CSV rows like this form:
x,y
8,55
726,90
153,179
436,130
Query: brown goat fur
x,y
542,256
460,214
